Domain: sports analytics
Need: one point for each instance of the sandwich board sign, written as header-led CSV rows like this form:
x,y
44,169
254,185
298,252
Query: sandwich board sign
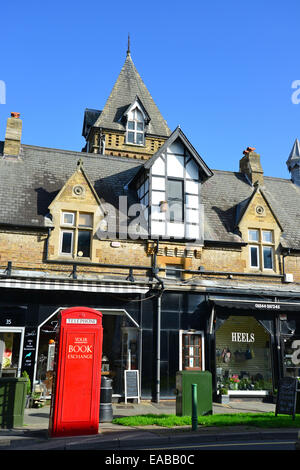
x,y
287,396
132,387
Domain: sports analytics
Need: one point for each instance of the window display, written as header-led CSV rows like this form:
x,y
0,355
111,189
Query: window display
x,y
243,355
10,343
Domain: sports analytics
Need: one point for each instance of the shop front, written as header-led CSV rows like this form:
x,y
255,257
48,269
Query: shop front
x,y
121,348
255,344
12,333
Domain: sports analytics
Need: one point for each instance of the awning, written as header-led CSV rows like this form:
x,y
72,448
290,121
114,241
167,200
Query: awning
x,y
73,285
257,305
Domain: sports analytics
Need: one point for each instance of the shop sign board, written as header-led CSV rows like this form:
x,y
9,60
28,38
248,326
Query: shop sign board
x,y
29,351
287,396
77,373
131,381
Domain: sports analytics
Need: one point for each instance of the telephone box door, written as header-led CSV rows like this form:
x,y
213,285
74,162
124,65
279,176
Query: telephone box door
x,y
77,373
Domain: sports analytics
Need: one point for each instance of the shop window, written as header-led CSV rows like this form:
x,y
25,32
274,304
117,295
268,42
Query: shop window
x,y
261,249
192,351
10,353
76,234
243,355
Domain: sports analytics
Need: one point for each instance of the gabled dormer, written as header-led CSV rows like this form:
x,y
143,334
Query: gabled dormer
x,y
76,213
136,120
260,228
169,187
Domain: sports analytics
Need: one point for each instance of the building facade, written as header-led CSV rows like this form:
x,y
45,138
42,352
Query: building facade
x,y
192,268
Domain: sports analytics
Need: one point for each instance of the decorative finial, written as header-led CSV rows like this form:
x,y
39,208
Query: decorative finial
x,y
128,47
80,163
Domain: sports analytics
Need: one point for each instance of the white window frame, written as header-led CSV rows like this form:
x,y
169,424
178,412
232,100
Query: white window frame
x,y
264,241
189,332
253,230
258,256
61,242
260,244
135,131
263,258
71,224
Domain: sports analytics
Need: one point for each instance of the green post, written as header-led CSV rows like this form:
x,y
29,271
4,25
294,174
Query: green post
x,y
194,408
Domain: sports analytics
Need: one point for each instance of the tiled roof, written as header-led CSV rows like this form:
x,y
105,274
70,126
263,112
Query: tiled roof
x,y
128,86
225,192
29,184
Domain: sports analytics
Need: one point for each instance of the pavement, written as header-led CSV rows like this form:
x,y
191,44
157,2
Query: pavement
x,y
33,435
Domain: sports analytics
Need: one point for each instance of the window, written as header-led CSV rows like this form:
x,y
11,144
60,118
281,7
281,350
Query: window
x,y
254,257
172,271
135,127
268,257
243,354
175,200
261,249
68,218
67,242
254,235
76,241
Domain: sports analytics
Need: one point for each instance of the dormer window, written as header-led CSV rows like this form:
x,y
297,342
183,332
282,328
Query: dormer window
x,y
135,127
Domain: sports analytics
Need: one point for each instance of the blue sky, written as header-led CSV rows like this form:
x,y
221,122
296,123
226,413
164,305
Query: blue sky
x,y
223,71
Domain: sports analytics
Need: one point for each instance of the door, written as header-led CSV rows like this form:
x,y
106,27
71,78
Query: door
x,y
192,356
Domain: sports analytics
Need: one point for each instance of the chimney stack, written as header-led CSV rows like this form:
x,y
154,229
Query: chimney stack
x,y
13,135
250,166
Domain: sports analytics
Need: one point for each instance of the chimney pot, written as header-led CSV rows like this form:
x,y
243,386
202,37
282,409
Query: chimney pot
x,y
15,115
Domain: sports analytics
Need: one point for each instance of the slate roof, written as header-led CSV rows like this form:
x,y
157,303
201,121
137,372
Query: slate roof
x,y
128,86
223,194
294,157
90,117
30,183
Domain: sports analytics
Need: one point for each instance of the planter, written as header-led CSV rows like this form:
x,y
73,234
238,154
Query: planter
x,y
234,386
224,399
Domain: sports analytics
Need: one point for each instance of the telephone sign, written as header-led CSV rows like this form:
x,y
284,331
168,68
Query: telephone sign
x,y
77,373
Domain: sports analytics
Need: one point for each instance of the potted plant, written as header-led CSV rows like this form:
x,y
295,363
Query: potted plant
x,y
224,397
234,382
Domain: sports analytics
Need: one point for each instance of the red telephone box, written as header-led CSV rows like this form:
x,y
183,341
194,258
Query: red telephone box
x,y
77,373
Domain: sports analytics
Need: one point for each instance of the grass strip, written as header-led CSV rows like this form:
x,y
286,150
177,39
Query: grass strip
x,y
262,420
